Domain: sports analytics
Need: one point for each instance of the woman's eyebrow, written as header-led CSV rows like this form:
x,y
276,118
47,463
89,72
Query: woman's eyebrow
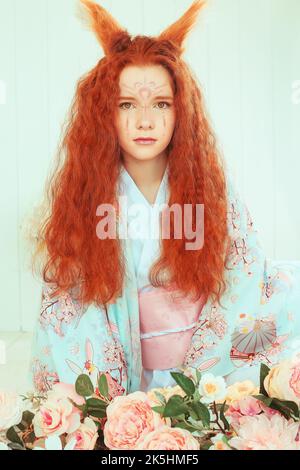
x,y
155,97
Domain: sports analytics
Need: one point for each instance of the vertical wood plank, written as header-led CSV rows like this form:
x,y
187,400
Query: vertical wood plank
x,y
286,69
224,103
32,135
257,125
9,191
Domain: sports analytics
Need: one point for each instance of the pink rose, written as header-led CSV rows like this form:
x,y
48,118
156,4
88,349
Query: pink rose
x,y
246,406
129,419
166,438
263,432
57,415
68,391
295,380
86,435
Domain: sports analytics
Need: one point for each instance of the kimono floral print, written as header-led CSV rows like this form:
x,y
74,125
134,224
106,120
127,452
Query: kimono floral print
x,y
256,317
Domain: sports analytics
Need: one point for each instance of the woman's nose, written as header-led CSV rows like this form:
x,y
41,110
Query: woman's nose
x,y
144,119
145,124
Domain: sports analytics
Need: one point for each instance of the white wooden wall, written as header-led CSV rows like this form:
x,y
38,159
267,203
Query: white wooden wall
x,y
246,55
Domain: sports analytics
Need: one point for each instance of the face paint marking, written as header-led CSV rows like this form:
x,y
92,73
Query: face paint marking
x,y
146,89
165,122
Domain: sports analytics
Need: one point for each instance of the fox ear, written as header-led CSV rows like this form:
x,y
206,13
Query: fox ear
x,y
179,30
108,31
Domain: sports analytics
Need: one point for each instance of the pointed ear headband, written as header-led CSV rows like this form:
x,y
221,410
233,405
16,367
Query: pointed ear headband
x,y
113,38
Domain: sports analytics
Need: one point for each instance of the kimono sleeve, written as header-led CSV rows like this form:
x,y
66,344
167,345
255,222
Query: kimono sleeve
x,y
42,370
246,254
265,299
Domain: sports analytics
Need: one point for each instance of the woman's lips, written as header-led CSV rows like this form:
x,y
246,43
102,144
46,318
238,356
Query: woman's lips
x,y
145,141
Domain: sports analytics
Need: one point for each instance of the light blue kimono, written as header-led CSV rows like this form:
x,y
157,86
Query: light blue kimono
x,y
258,321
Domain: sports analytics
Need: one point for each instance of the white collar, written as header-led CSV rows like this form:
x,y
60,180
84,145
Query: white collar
x,y
129,188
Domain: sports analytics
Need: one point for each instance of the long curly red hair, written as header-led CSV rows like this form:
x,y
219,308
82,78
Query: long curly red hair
x,y
88,173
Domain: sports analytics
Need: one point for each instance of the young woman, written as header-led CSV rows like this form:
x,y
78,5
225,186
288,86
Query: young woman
x,y
138,306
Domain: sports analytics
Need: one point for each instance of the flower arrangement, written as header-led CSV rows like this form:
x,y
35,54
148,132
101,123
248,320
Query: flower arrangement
x,y
199,413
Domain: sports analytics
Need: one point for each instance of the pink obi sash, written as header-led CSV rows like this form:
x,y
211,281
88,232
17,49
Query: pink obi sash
x,y
167,325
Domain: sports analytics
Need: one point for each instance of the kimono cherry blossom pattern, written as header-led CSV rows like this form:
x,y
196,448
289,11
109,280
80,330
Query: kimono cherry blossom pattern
x,y
56,313
43,378
274,282
241,252
115,361
209,331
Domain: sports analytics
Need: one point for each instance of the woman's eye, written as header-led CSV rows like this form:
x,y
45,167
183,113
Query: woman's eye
x,y
121,105
164,102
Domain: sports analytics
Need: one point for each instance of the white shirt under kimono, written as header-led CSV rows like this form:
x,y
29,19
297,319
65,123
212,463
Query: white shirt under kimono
x,y
146,249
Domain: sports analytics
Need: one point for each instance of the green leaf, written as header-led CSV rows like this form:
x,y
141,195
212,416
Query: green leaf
x,y
103,385
266,400
199,375
158,409
185,426
264,371
197,424
292,406
202,412
15,446
184,382
28,417
175,407
276,405
193,414
100,413
206,445
13,436
22,426
180,417
285,407
96,403
223,418
84,386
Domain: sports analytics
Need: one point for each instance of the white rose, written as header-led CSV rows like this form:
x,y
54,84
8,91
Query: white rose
x,y
283,381
212,388
11,410
239,390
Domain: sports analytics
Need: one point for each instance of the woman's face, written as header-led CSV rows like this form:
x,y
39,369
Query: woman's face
x,y
145,110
